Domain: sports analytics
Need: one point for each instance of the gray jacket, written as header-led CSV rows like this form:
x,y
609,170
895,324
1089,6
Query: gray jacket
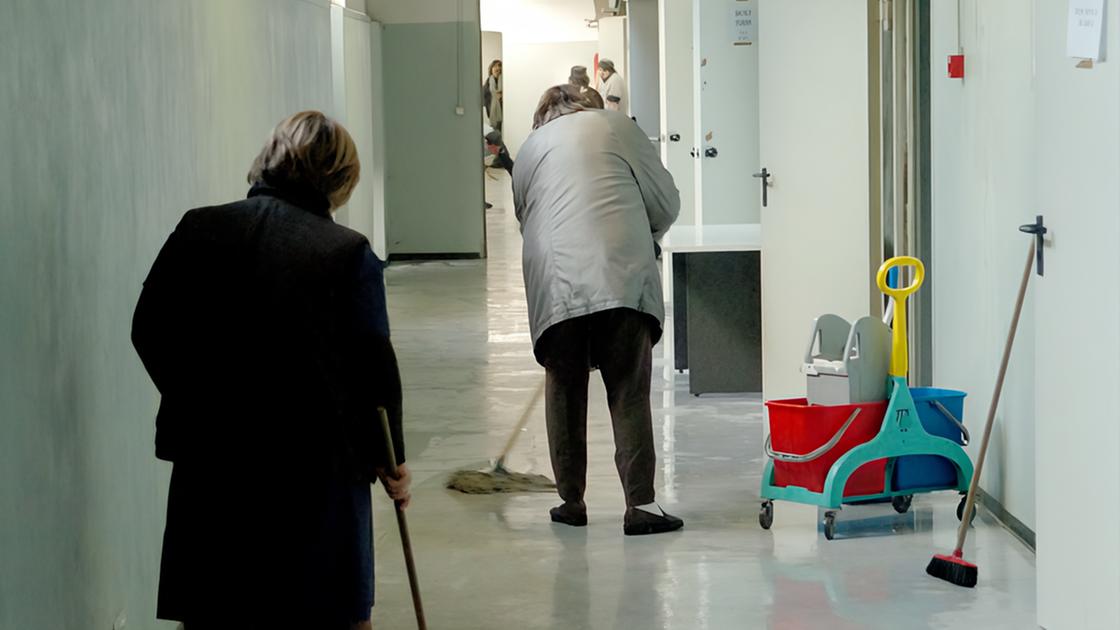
x,y
592,197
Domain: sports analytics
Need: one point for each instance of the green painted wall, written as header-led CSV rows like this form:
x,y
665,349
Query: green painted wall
x,y
118,116
433,190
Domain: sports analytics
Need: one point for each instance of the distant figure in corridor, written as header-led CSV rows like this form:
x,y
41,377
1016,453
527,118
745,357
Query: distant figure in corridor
x,y
613,88
592,198
496,147
492,95
263,324
578,79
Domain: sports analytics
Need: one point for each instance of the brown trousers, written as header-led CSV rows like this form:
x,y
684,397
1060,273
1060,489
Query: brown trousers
x,y
620,343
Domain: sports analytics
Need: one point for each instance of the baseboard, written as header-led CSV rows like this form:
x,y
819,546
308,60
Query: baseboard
x,y
1007,519
428,257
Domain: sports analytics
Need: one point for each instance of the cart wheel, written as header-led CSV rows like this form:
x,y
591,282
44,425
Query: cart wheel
x,y
830,525
960,510
766,514
902,504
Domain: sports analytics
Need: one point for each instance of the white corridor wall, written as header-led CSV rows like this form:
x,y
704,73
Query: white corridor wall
x,y
983,188
1025,133
125,115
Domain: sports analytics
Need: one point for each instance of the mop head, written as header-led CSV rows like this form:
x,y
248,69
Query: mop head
x,y
497,481
953,569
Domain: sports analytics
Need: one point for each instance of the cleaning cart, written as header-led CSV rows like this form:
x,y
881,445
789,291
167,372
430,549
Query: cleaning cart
x,y
855,448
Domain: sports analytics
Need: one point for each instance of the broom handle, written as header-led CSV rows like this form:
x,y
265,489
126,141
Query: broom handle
x,y
402,525
970,503
521,422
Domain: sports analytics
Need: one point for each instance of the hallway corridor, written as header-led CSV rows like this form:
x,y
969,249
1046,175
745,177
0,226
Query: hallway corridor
x,y
496,561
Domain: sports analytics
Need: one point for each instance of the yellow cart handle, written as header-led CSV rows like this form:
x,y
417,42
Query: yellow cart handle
x,y
900,350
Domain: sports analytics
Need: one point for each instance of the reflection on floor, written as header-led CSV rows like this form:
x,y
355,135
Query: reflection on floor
x,y
497,562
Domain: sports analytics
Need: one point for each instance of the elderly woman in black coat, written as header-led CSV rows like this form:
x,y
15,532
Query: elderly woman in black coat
x,y
263,325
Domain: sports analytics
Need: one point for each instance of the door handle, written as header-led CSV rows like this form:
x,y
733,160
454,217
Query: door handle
x,y
765,176
711,152
674,137
1039,229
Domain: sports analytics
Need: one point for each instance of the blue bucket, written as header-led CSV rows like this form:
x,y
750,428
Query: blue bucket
x,y
916,472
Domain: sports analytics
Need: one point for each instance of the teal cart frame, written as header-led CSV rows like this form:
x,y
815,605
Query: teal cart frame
x,y
901,435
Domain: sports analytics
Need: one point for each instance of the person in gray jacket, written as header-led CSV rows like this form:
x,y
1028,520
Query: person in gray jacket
x,y
592,198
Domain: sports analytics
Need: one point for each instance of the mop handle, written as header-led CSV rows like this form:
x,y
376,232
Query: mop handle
x,y
521,422
402,525
970,502
900,351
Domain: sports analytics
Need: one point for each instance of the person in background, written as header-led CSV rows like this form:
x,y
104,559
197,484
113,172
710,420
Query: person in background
x,y
263,325
492,95
613,88
579,78
498,149
592,197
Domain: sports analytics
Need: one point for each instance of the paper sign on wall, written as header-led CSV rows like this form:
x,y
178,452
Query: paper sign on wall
x,y
1085,39
744,27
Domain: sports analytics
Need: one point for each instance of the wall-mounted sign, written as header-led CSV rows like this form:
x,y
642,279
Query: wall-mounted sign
x,y
744,24
1085,39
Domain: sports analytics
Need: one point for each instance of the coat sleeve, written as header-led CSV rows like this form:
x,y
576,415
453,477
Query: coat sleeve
x,y
158,322
378,382
161,328
659,192
520,178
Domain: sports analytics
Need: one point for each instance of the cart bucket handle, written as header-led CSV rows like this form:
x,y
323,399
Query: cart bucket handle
x,y
808,457
960,425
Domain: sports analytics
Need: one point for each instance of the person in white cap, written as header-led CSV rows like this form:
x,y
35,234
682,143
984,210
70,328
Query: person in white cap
x,y
613,88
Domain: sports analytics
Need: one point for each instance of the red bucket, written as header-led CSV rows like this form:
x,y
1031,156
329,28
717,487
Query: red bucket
x,y
798,428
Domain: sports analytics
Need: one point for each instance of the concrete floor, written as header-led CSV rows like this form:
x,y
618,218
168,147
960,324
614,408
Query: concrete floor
x,y
461,333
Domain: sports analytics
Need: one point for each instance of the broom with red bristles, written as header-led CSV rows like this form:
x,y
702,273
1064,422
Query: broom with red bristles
x,y
953,568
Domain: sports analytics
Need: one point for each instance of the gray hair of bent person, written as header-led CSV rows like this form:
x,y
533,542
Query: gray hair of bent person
x,y
608,65
592,99
557,101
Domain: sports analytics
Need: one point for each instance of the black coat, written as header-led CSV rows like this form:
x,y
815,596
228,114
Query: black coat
x,y
252,326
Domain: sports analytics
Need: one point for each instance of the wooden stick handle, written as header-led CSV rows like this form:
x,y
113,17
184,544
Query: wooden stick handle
x,y
521,422
410,565
402,524
970,502
387,436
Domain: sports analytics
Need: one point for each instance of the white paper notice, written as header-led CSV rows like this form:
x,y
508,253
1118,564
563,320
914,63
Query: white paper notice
x,y
744,27
1086,29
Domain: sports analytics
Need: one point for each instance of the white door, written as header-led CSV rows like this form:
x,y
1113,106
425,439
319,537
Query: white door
x,y
814,139
725,63
1077,315
677,127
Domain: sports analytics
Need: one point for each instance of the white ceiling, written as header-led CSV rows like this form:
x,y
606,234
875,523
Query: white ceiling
x,y
538,21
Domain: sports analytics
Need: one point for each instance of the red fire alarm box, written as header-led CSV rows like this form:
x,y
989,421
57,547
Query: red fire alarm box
x,y
956,66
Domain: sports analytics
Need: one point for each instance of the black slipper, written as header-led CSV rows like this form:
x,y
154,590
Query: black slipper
x,y
640,523
574,514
